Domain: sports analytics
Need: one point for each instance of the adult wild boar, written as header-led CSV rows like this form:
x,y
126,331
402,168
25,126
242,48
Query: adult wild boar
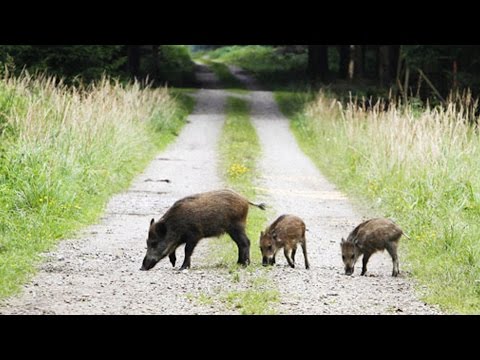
x,y
196,217
369,237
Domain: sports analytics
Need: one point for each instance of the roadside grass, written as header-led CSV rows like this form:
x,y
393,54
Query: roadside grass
x,y
64,151
420,168
240,148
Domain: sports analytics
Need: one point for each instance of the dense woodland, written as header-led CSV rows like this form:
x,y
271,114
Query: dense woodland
x,y
421,71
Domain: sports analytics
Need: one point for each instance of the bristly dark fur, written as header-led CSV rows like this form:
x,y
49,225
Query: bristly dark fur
x,y
196,217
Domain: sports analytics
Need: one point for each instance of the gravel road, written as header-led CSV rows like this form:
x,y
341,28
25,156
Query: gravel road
x,y
291,184
98,271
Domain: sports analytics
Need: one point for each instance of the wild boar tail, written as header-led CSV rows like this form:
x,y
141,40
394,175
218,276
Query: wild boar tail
x,y
261,206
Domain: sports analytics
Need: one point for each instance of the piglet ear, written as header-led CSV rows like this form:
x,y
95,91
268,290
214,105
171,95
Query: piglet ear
x,y
152,221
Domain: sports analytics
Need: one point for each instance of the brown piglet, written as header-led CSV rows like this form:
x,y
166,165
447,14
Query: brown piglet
x,y
286,232
369,237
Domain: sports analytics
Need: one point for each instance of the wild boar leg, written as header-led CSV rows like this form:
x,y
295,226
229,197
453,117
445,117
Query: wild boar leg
x,y
366,257
287,256
238,235
189,246
294,251
304,248
173,257
392,250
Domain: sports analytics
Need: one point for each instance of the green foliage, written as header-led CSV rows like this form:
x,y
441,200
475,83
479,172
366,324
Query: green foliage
x,y
266,63
85,63
333,59
176,67
88,62
252,302
67,152
240,149
422,171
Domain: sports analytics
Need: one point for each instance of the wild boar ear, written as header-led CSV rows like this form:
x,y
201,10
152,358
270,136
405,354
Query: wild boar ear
x,y
160,228
262,233
152,221
343,241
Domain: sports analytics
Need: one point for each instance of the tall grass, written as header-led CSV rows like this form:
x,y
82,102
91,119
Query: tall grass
x,y
421,168
64,151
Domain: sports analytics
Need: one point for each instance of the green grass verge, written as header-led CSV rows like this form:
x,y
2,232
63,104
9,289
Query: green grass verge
x,y
64,152
239,149
420,169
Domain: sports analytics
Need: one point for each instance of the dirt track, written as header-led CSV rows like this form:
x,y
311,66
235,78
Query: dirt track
x,y
98,272
292,184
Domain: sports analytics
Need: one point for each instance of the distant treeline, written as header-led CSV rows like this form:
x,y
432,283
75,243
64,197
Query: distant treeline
x,y
158,63
413,70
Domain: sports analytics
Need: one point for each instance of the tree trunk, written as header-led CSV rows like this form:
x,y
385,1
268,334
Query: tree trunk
x,y
384,65
394,58
133,60
359,61
387,63
317,62
155,62
344,51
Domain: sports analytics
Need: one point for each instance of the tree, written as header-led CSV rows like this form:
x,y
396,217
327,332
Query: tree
x,y
383,65
387,63
133,63
344,51
359,61
317,62
156,70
